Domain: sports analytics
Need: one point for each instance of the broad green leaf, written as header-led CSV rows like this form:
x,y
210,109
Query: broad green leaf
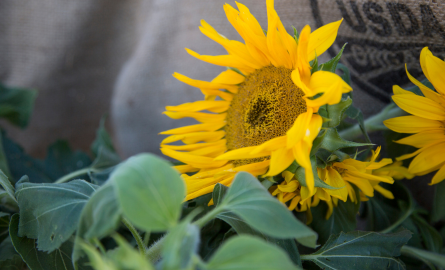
x,y
248,199
361,250
431,237
16,104
179,247
247,252
103,139
335,112
9,258
4,226
105,159
333,142
7,186
50,212
60,160
59,259
288,245
99,217
149,191
343,218
438,212
331,65
4,166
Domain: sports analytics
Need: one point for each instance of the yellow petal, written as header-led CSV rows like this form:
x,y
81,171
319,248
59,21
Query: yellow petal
x,y
420,106
208,189
280,159
331,96
439,176
294,202
195,161
299,129
362,184
435,67
411,124
424,138
276,48
429,157
195,137
322,80
334,179
210,94
210,151
212,106
253,166
301,152
241,153
303,63
397,90
427,92
229,77
198,116
204,84
386,193
321,39
378,165
289,187
221,60
195,128
185,168
196,146
271,145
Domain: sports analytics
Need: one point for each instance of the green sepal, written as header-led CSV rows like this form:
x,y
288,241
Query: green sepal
x,y
336,112
331,65
314,65
300,174
346,76
333,142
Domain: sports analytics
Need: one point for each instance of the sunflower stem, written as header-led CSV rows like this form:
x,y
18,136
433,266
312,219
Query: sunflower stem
x,y
135,234
423,255
209,216
153,253
373,123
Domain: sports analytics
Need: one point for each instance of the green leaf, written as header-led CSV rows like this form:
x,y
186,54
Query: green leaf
x,y
355,113
425,256
333,142
50,212
7,186
248,199
343,218
346,76
438,211
431,237
103,139
4,226
149,191
126,257
335,112
247,252
361,250
241,227
331,65
9,258
59,259
99,217
181,244
4,166
16,104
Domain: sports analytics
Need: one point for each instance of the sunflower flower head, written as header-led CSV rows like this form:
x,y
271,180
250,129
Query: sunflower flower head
x,y
426,121
262,113
341,177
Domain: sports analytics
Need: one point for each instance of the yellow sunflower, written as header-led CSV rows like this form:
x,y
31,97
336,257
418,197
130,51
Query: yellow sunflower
x,y
262,111
339,175
427,119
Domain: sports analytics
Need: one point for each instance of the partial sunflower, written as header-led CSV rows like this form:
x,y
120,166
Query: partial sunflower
x,y
262,111
363,174
427,119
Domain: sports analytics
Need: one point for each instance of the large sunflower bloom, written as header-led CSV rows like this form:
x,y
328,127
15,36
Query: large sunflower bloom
x,y
427,119
263,110
363,174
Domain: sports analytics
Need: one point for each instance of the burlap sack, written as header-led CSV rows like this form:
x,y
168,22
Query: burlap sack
x,y
77,52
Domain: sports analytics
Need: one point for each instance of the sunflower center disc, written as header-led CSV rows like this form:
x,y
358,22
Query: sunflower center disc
x,y
265,107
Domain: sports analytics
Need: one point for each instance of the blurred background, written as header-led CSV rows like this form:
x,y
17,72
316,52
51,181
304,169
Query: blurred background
x,y
116,57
